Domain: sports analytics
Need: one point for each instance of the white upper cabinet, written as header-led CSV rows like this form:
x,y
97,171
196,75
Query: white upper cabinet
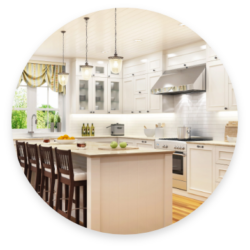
x,y
114,96
115,76
128,95
185,56
141,103
220,93
154,101
211,55
217,87
143,65
99,95
140,84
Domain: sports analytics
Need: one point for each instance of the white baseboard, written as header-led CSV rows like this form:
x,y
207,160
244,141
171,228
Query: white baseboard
x,y
186,194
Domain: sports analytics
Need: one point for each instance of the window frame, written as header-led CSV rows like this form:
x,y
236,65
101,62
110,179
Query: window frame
x,y
32,109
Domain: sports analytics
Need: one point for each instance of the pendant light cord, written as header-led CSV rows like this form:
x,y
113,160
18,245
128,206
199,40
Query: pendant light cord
x,y
86,40
115,34
63,50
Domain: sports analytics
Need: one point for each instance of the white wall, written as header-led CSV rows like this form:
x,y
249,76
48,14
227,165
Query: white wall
x,y
190,110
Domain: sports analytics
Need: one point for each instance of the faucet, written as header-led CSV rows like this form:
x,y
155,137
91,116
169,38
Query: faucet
x,y
32,131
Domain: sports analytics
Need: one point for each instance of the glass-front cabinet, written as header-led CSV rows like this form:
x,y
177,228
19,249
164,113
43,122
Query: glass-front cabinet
x,y
99,86
84,95
114,96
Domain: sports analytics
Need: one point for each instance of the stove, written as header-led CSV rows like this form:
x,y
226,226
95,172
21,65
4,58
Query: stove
x,y
179,157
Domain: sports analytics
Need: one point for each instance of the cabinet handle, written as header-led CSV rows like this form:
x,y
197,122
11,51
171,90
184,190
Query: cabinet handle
x,y
90,112
132,112
147,111
139,111
198,146
93,112
225,108
132,74
139,92
93,75
109,112
215,57
108,76
153,69
185,65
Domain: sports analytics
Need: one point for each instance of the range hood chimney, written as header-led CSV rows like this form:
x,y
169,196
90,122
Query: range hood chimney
x,y
181,81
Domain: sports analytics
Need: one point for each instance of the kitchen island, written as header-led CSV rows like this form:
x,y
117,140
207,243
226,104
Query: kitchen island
x,y
129,191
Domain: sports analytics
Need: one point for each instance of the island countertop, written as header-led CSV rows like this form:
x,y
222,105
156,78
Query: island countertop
x,y
93,151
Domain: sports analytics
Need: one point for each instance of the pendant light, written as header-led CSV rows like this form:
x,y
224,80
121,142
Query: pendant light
x,y
63,77
86,69
115,62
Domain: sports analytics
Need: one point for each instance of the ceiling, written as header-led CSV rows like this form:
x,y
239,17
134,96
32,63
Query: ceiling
x,y
157,32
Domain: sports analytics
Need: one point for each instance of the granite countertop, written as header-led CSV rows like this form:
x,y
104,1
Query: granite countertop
x,y
93,151
213,143
87,137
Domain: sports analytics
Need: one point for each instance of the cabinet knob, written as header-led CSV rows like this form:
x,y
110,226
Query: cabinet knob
x,y
139,111
185,65
93,112
153,69
198,146
132,112
225,108
109,76
90,112
215,57
147,111
139,92
93,75
109,112
133,74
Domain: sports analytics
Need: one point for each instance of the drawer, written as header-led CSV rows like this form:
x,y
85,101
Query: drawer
x,y
144,143
223,155
220,170
130,143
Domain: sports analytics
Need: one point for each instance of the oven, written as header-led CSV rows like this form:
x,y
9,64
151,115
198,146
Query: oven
x,y
179,170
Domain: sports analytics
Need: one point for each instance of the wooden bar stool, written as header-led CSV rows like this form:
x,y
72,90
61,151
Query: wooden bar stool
x,y
22,156
74,179
34,165
48,173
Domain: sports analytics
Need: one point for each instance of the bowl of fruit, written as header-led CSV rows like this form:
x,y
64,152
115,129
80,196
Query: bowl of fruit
x,y
65,139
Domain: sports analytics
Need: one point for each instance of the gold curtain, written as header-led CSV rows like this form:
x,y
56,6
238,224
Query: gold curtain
x,y
35,75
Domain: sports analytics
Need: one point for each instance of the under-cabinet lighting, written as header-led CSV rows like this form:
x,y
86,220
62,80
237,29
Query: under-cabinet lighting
x,y
181,24
100,62
138,40
203,46
171,55
144,60
228,113
103,51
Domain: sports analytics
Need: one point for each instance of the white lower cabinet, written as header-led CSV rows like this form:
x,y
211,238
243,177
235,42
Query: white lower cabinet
x,y
200,170
129,142
206,167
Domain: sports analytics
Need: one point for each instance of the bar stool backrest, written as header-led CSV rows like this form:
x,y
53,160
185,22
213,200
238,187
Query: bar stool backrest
x,y
21,154
33,157
47,159
64,163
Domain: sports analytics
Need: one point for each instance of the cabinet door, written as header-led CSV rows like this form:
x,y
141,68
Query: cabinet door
x,y
154,101
220,170
155,64
217,87
114,96
128,95
141,84
84,100
211,55
128,141
232,105
99,95
100,69
141,103
200,170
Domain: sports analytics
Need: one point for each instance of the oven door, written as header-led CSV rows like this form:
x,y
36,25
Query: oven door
x,y
179,166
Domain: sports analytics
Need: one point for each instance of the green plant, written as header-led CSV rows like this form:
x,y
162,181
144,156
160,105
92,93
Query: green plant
x,y
58,118
52,119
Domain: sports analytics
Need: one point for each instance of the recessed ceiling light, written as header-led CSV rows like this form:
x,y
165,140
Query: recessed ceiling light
x,y
171,55
100,62
138,40
203,46
144,60
181,24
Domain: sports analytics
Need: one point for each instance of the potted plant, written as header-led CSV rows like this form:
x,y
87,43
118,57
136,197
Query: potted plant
x,y
52,123
58,124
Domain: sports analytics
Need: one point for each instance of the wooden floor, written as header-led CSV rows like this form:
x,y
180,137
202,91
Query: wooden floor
x,y
182,207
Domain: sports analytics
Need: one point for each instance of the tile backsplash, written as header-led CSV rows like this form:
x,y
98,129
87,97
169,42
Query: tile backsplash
x,y
190,110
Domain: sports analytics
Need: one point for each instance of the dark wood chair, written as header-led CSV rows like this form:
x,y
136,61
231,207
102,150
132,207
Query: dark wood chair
x,y
22,156
48,173
73,179
34,165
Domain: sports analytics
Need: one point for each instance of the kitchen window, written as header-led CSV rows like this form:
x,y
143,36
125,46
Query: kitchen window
x,y
42,101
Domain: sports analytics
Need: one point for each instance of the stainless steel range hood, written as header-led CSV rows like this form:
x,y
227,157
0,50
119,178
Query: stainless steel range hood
x,y
181,81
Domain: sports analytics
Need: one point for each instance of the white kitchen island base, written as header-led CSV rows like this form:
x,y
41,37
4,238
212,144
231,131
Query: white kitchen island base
x,y
129,194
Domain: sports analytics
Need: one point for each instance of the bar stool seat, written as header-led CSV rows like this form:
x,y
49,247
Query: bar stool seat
x,y
79,175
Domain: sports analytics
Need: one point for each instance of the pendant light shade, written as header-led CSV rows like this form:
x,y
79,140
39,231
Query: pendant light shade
x,y
115,62
63,77
86,69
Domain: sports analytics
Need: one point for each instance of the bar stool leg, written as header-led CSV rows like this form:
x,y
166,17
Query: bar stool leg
x,y
71,193
77,204
58,196
42,186
66,197
85,205
47,189
51,193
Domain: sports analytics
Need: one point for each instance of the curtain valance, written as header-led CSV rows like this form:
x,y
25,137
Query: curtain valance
x,y
35,75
